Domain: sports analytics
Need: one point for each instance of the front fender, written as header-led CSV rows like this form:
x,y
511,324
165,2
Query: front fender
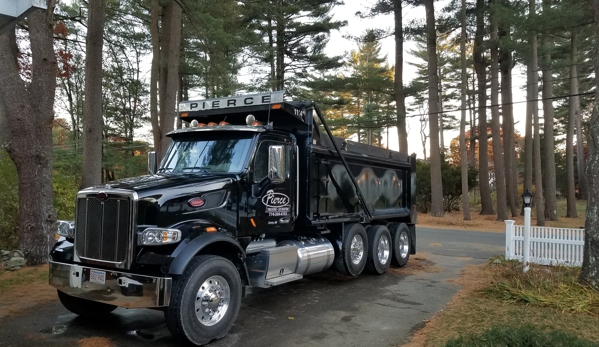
x,y
62,251
185,252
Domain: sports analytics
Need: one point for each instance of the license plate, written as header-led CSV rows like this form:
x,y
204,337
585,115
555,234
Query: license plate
x,y
96,276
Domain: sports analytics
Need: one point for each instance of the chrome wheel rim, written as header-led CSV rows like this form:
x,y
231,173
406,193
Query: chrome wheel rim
x,y
357,249
404,247
212,300
383,249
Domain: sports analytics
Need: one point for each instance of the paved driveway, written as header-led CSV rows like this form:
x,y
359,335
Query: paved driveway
x,y
324,309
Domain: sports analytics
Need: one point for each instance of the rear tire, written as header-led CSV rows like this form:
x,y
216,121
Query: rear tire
x,y
379,249
205,300
83,307
401,243
351,258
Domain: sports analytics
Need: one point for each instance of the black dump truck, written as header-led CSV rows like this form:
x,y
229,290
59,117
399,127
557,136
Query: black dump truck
x,y
253,191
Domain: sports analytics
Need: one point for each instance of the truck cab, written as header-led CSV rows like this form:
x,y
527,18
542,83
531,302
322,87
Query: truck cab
x,y
252,191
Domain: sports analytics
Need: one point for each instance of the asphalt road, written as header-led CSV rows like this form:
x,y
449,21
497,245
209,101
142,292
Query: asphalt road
x,y
324,309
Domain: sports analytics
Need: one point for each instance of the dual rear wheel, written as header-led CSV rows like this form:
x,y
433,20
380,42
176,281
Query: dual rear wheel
x,y
373,248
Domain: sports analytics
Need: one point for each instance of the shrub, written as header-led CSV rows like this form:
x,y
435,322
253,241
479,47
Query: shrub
x,y
9,203
452,185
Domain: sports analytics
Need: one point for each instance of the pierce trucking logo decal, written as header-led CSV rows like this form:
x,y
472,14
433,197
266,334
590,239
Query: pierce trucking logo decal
x,y
277,204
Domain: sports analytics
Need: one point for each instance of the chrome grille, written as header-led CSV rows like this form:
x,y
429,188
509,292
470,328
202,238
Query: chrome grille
x,y
103,229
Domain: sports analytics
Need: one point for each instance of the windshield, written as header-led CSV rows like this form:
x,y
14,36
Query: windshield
x,y
213,152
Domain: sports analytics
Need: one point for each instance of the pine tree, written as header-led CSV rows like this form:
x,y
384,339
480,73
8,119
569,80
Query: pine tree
x,y
293,35
589,273
28,106
480,66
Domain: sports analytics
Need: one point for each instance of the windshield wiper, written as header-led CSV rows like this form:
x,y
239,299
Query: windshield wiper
x,y
192,169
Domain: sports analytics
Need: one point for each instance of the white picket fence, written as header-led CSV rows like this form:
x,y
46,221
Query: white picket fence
x,y
548,246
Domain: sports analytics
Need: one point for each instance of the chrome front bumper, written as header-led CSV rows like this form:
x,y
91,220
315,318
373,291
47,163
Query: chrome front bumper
x,y
111,287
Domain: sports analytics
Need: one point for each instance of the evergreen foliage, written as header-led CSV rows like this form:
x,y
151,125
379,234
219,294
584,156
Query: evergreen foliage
x,y
452,185
290,39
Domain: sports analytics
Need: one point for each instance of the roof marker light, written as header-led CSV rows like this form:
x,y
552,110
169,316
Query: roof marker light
x,y
184,114
276,106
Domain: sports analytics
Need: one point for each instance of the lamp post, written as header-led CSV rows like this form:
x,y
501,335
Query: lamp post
x,y
526,199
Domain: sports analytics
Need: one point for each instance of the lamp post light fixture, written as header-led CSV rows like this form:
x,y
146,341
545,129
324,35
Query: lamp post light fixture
x,y
526,199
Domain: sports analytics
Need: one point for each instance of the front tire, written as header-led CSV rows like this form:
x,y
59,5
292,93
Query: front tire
x,y
205,300
83,307
351,258
379,250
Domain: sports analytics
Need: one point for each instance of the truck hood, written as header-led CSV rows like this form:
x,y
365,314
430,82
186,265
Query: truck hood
x,y
155,183
164,199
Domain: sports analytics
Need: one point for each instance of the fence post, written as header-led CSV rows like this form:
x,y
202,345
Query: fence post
x,y
526,248
509,238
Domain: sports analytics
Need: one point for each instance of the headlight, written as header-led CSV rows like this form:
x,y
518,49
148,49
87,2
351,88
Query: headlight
x,y
65,228
159,236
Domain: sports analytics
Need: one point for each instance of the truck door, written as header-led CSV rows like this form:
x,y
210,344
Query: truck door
x,y
272,206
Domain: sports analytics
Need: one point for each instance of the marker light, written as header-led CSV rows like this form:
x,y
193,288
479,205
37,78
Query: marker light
x,y
210,229
159,236
276,106
184,114
201,125
223,123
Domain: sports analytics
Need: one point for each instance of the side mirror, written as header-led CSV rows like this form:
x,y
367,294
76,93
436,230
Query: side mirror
x,y
277,163
152,163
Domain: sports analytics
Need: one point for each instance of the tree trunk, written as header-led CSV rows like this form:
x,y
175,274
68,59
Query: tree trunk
x,y
29,111
574,110
548,137
433,97
483,156
441,126
154,76
575,100
92,119
498,162
580,156
463,92
169,73
528,129
534,66
4,130
271,58
590,263
472,137
280,47
505,66
400,100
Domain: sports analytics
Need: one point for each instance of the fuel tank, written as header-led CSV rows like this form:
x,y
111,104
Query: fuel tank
x,y
313,254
